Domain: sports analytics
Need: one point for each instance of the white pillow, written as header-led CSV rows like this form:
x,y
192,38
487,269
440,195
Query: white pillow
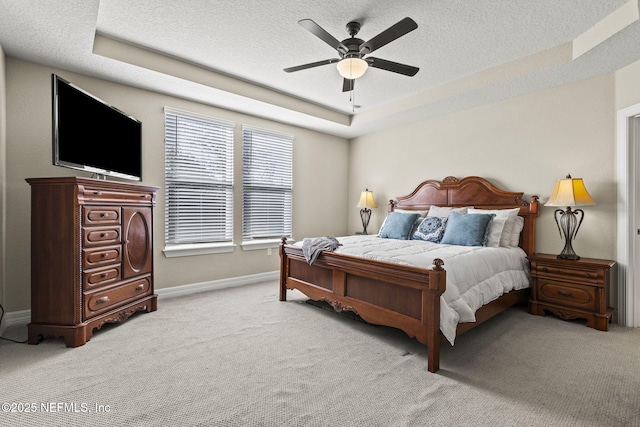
x,y
501,228
509,227
518,226
444,211
422,213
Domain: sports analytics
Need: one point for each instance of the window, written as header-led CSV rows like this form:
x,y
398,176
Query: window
x,y
198,183
267,181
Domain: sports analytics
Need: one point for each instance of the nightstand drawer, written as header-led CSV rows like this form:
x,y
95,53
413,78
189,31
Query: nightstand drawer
x,y
582,297
567,273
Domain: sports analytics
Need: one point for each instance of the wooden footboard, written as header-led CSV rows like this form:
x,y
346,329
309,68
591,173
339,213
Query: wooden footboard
x,y
403,297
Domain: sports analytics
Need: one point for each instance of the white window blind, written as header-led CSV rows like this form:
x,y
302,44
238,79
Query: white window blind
x,y
198,178
267,184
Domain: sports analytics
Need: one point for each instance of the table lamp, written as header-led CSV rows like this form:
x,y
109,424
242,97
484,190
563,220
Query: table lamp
x,y
366,203
569,192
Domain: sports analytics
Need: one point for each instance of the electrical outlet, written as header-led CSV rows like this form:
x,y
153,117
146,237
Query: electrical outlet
x,y
269,251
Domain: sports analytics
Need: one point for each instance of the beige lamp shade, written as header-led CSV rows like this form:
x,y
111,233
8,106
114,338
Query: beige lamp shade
x,y
570,192
352,68
366,200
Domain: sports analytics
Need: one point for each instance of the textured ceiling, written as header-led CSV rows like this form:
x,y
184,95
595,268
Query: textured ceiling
x,y
231,53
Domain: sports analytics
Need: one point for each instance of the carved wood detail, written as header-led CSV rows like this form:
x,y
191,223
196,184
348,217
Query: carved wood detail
x,y
338,306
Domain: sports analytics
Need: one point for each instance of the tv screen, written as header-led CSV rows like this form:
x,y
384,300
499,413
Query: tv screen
x,y
92,136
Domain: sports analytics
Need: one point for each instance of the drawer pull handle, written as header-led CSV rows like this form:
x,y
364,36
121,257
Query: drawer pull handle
x,y
104,255
140,287
98,193
102,300
103,214
565,293
103,275
544,269
103,234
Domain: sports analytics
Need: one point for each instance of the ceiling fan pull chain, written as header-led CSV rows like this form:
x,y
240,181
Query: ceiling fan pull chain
x,y
353,99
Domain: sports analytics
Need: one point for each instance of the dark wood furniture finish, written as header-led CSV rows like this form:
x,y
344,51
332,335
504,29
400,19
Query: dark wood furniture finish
x,y
91,256
405,297
572,289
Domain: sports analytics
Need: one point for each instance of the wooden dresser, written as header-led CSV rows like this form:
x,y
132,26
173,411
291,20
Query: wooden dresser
x,y
91,256
572,289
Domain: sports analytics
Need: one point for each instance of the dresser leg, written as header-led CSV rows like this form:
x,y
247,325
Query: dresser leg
x,y
153,304
73,336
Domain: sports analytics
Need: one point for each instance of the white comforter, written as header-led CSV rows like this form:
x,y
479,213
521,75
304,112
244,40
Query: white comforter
x,y
475,275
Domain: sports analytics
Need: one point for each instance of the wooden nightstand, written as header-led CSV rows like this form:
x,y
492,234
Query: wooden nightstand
x,y
572,289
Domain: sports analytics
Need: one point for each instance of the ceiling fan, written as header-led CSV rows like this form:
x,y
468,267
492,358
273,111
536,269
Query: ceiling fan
x,y
352,51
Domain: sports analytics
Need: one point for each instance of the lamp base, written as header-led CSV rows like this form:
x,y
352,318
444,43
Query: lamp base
x,y
365,215
568,223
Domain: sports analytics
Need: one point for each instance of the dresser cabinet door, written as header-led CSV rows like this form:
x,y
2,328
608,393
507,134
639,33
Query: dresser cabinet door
x,y
137,234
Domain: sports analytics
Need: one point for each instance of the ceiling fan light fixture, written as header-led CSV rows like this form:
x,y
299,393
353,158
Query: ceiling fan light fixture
x,y
352,68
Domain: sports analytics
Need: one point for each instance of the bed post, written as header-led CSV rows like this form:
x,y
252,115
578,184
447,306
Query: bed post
x,y
391,205
431,313
529,232
283,270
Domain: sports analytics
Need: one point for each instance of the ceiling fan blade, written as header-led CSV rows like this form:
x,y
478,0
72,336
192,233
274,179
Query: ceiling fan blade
x,y
390,34
395,67
347,85
322,34
311,65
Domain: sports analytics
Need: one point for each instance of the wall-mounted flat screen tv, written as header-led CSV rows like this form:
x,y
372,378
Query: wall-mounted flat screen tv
x,y
91,135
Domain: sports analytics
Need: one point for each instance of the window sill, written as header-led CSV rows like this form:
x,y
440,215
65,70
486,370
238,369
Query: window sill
x,y
173,251
263,244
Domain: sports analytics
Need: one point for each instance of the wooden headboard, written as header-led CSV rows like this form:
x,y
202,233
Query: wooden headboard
x,y
472,191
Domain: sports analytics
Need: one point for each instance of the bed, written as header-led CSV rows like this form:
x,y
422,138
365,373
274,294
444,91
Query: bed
x,y
407,297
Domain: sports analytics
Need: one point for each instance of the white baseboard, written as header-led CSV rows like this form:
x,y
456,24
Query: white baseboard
x,y
216,284
22,318
15,318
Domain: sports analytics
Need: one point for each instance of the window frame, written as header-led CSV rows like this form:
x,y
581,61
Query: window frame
x,y
195,178
255,243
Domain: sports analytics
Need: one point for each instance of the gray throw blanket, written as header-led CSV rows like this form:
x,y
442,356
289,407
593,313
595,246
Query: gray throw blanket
x,y
313,246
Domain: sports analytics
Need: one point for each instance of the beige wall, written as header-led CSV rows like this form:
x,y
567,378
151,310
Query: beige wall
x,y
319,198
520,144
3,149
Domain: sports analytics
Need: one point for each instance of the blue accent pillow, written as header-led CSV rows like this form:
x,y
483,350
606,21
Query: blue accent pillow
x,y
398,225
467,230
431,229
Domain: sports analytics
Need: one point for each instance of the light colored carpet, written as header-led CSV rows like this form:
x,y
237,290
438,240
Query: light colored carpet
x,y
239,357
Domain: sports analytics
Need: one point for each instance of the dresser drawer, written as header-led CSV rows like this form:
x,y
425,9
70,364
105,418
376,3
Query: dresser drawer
x,y
101,256
101,215
102,276
583,276
98,236
100,195
103,300
582,297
